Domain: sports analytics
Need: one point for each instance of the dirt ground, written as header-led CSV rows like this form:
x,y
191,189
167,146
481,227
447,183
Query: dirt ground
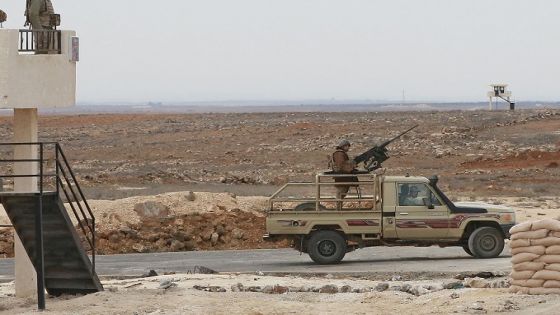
x,y
261,294
476,153
176,182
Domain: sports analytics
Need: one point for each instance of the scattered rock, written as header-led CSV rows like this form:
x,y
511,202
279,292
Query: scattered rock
x,y
209,288
396,278
140,248
253,289
190,196
259,273
329,288
203,270
380,287
345,289
214,238
151,209
237,233
454,295
419,290
166,284
453,285
477,283
151,273
277,289
237,287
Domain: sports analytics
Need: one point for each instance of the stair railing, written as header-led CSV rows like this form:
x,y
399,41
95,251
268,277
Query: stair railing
x,y
66,184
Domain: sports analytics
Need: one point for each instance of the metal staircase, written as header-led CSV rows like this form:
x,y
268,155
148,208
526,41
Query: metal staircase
x,y
45,219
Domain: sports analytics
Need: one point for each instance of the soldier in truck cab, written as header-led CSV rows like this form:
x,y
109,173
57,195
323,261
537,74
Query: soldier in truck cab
x,y
409,196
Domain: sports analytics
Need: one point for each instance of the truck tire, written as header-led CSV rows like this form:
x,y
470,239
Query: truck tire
x,y
308,206
486,242
467,250
326,247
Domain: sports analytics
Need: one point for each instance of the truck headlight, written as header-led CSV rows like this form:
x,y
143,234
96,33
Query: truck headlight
x,y
507,217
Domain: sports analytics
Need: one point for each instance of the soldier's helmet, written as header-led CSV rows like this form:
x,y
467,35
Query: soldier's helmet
x,y
342,143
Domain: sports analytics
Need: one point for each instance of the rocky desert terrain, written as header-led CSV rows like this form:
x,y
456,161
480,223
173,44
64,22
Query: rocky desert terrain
x,y
182,182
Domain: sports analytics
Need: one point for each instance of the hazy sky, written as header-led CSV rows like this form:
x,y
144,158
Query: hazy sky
x,y
207,50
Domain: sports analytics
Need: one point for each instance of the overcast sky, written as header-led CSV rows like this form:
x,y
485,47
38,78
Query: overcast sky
x,y
209,50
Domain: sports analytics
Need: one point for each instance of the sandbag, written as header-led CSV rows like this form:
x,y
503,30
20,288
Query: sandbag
x,y
545,275
524,275
553,250
519,243
523,257
549,224
555,267
529,265
547,241
521,227
555,234
549,259
518,289
532,235
538,291
549,284
530,283
537,250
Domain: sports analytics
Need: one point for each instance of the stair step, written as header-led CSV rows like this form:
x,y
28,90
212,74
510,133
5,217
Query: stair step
x,y
67,267
67,273
69,284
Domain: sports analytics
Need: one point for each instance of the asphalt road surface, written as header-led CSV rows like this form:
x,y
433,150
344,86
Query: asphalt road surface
x,y
374,260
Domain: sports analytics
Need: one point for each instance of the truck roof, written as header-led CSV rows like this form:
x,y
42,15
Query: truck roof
x,y
415,179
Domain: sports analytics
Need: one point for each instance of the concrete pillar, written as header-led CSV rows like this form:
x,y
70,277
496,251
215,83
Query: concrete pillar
x,y
25,130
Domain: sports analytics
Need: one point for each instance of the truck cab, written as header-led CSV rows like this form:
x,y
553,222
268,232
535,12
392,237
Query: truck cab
x,y
381,210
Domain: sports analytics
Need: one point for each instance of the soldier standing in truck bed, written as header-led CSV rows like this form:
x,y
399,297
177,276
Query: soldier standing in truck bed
x,y
341,164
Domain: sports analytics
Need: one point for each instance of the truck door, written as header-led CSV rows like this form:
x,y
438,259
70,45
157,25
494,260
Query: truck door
x,y
419,213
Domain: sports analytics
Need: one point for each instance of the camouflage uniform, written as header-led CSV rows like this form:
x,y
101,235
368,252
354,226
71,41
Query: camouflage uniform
x,y
38,13
341,164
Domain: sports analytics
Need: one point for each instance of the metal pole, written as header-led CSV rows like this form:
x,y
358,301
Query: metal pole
x,y
56,148
39,238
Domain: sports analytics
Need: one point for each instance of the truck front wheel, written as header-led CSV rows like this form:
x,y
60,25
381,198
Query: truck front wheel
x,y
486,242
326,247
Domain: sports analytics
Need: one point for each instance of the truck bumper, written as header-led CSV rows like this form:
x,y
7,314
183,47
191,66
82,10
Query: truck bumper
x,y
506,228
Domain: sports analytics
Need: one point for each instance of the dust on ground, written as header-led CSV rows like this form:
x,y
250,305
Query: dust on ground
x,y
262,294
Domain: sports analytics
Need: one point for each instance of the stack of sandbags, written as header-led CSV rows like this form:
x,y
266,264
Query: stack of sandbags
x,y
535,249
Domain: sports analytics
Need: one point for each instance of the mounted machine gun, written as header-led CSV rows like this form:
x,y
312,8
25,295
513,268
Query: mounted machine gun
x,y
373,157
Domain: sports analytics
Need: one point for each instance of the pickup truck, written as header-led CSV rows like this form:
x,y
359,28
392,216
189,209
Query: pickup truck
x,y
381,210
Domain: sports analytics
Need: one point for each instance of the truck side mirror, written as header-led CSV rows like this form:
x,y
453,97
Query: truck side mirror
x,y
428,203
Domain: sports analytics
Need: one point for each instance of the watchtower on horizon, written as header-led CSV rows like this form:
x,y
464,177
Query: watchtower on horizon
x,y
499,91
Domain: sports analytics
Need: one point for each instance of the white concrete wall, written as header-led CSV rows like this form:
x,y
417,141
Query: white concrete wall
x,y
36,81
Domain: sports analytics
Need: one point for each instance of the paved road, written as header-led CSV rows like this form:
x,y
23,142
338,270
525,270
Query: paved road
x,y
369,260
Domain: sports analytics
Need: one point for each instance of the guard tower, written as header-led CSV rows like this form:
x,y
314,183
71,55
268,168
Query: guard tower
x,y
38,70
499,91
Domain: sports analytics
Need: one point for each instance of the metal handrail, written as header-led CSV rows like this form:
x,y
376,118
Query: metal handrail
x,y
65,181
40,41
370,180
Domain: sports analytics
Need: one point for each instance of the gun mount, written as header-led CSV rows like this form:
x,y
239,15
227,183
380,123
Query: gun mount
x,y
373,157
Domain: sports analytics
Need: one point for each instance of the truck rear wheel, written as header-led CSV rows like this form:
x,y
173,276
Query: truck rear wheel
x,y
486,242
326,247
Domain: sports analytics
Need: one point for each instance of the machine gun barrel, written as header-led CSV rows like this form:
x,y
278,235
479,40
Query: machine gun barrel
x,y
372,152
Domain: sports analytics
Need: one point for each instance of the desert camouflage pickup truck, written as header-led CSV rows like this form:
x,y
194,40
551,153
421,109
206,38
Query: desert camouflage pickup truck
x,y
381,210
